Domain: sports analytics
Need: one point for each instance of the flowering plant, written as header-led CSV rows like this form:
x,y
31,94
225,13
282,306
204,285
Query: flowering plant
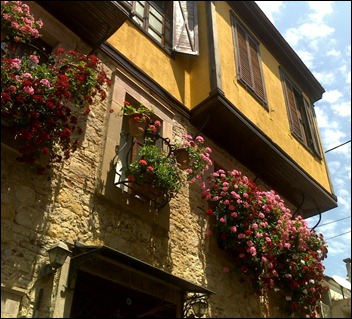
x,y
129,109
156,167
199,156
46,104
17,23
270,247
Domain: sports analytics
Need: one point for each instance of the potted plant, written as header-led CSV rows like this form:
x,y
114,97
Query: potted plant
x,y
138,118
193,156
270,247
46,107
154,173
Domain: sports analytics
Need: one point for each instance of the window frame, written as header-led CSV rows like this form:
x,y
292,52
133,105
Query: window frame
x,y
248,60
166,13
301,115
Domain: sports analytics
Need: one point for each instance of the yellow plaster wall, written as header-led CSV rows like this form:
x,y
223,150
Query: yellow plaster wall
x,y
183,76
273,122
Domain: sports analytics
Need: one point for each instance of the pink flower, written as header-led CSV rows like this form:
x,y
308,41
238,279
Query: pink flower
x,y
27,75
226,269
34,58
29,90
45,82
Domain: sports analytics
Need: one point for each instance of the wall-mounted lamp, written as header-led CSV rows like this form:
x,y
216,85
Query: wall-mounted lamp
x,y
57,256
197,304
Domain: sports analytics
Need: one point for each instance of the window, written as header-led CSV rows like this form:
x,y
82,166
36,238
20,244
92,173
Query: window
x,y
248,61
172,24
155,18
301,115
128,150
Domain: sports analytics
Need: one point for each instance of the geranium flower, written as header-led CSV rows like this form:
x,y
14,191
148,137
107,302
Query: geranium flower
x,y
271,248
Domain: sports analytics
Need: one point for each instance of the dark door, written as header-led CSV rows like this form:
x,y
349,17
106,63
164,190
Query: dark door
x,y
96,297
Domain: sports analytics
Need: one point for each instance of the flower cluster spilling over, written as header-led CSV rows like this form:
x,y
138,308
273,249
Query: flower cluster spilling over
x,y
155,166
199,157
17,22
270,247
46,104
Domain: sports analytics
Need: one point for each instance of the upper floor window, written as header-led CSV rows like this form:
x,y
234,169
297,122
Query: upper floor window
x,y
301,115
155,18
248,61
172,24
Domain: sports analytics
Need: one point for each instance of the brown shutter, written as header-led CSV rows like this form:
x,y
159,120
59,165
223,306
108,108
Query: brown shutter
x,y
294,114
258,86
185,28
244,62
313,129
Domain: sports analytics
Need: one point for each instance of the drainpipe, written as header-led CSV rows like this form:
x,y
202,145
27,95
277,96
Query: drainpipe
x,y
348,267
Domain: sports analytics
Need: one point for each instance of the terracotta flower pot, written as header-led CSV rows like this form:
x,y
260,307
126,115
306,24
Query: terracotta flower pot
x,y
182,157
138,124
146,188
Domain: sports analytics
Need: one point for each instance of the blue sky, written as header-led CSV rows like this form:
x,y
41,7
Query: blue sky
x,y
320,33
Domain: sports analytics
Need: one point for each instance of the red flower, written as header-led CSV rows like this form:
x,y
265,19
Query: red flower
x,y
45,150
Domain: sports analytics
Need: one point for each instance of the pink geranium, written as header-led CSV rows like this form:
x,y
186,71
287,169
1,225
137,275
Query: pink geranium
x,y
271,247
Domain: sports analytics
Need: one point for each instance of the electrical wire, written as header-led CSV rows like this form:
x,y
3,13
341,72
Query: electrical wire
x,y
334,221
337,146
338,235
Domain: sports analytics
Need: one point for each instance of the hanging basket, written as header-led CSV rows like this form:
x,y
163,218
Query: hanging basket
x,y
182,157
138,124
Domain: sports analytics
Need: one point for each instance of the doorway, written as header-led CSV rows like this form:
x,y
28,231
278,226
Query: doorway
x,y
96,297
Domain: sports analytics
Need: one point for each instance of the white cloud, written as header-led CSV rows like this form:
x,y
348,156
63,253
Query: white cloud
x,y
315,30
333,52
306,57
292,36
332,137
321,8
348,77
344,199
324,119
332,96
325,77
342,109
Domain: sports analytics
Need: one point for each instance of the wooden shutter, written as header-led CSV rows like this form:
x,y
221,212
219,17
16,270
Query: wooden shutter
x,y
314,142
257,79
292,107
185,28
248,61
244,62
